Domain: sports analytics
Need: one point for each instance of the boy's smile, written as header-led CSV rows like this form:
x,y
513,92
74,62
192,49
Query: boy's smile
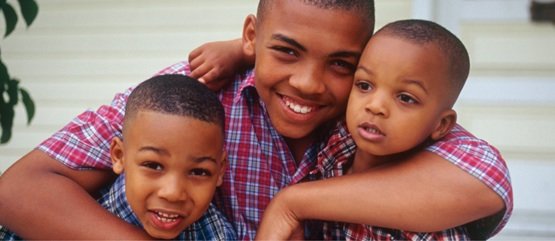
x,y
304,65
171,169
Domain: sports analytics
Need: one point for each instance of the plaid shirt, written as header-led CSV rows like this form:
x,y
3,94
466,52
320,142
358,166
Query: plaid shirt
x,y
259,161
211,226
461,148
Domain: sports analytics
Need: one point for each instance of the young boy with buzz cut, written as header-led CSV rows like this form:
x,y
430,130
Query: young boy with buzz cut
x,y
170,159
279,116
405,86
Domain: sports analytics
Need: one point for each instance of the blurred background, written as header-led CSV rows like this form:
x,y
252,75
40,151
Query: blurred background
x,y
78,54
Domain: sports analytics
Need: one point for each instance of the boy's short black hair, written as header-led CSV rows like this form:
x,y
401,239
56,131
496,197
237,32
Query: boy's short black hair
x,y
364,7
427,32
176,95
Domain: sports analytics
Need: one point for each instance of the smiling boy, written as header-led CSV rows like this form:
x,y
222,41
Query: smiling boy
x,y
401,104
278,118
170,159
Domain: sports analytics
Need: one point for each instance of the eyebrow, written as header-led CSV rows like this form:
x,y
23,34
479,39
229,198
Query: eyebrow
x,y
204,158
153,149
410,81
164,152
417,82
283,38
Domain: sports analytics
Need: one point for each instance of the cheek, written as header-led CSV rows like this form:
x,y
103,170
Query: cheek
x,y
138,185
341,88
204,192
202,195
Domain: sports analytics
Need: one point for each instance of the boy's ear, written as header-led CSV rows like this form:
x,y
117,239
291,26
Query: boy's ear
x,y
116,154
446,123
249,35
223,167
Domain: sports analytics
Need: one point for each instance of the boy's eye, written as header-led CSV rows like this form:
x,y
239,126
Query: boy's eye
x,y
200,172
153,165
343,66
363,86
285,50
407,99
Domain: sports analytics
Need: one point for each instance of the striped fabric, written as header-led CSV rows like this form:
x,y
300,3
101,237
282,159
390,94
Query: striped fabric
x,y
461,148
259,161
211,226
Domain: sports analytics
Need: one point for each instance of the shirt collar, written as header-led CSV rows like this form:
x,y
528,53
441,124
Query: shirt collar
x,y
246,84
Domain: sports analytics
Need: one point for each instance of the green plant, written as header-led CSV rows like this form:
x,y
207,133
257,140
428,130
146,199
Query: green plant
x,y
10,91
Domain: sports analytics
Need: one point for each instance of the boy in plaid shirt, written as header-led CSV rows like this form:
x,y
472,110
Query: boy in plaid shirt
x,y
279,117
170,160
407,81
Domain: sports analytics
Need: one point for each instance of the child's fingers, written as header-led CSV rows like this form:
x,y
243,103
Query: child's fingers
x,y
213,80
210,76
200,71
195,53
195,62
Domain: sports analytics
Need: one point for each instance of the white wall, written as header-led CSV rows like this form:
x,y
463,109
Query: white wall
x,y
78,54
508,99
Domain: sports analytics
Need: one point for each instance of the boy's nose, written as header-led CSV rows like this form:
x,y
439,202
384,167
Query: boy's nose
x,y
377,105
309,80
172,189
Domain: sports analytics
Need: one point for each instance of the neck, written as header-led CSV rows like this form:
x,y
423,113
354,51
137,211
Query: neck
x,y
299,146
364,161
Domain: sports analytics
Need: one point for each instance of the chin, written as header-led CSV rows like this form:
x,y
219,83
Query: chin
x,y
164,235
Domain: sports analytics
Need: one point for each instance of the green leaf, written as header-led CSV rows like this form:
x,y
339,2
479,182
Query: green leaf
x,y
11,18
29,10
13,87
29,104
4,76
7,114
6,121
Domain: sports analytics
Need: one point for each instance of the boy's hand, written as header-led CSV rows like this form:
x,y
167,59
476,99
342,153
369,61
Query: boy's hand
x,y
279,222
216,63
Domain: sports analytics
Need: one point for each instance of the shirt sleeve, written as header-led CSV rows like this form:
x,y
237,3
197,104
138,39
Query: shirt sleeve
x,y
483,161
84,143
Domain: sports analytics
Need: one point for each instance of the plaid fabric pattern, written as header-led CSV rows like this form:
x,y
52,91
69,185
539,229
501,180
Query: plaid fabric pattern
x,y
461,148
259,161
211,226
6,234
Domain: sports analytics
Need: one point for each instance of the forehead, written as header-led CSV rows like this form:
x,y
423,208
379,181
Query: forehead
x,y
406,59
179,134
400,49
338,27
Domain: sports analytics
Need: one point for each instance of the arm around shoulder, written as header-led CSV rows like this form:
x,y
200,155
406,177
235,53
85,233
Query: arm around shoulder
x,y
41,198
424,194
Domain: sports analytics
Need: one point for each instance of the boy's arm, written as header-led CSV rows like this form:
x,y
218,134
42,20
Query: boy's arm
x,y
40,198
424,194
216,63
46,198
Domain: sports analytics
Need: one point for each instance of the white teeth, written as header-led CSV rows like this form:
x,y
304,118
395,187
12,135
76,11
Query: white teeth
x,y
298,108
372,130
166,217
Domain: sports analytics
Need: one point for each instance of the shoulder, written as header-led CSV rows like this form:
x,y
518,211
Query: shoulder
x,y
181,67
213,225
